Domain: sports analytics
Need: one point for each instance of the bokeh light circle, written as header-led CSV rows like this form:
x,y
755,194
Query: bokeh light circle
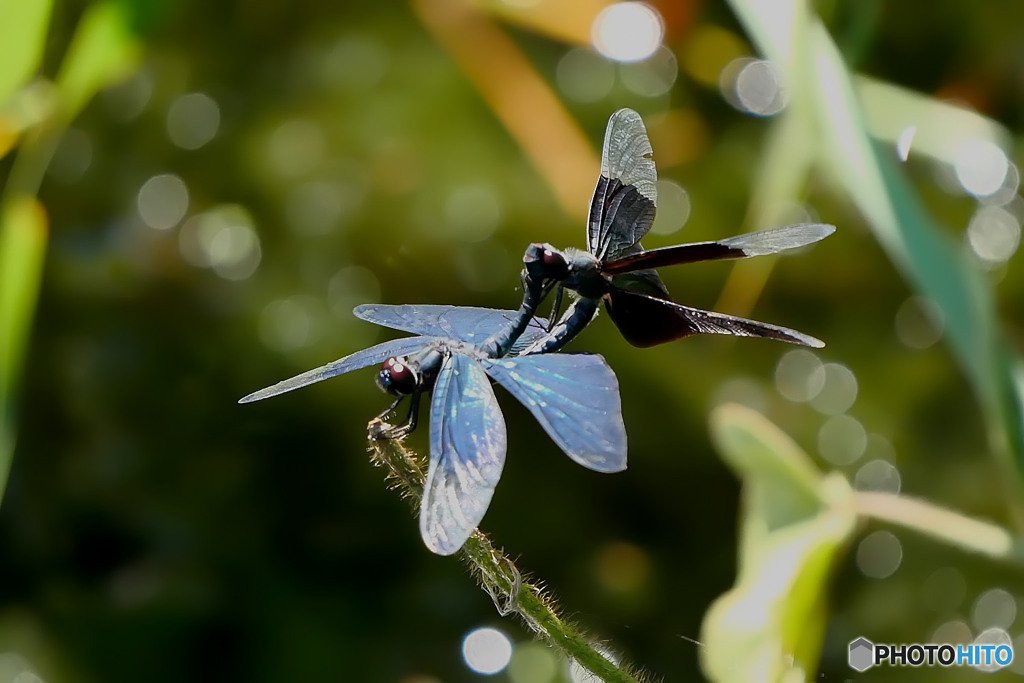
x,y
486,650
879,554
627,31
193,120
162,201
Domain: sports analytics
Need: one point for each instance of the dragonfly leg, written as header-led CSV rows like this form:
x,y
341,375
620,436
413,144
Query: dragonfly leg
x,y
556,308
380,428
390,409
409,425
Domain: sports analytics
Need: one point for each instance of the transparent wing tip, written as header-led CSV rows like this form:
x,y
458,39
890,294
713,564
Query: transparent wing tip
x,y
818,231
779,239
363,310
808,340
261,394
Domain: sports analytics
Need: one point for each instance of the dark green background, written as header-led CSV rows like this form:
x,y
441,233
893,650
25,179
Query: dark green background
x,y
155,530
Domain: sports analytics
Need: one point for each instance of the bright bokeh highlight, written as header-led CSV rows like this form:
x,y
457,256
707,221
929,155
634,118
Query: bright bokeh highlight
x,y
487,650
878,475
842,440
222,239
839,391
628,31
995,608
981,167
799,375
162,201
753,86
193,120
994,235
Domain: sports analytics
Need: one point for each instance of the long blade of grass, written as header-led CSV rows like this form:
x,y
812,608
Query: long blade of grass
x,y
23,232
22,37
799,44
102,51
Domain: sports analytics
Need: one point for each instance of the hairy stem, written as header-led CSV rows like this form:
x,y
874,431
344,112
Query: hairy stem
x,y
497,573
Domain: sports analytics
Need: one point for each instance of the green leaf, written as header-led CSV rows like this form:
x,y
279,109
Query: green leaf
x,y
23,25
103,51
23,236
795,524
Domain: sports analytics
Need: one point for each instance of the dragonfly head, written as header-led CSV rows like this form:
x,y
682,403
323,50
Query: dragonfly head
x,y
544,262
398,377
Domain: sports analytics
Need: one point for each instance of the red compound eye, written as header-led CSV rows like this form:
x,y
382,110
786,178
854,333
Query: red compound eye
x,y
397,377
555,265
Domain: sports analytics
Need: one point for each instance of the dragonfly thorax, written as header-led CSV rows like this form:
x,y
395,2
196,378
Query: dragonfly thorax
x,y
584,274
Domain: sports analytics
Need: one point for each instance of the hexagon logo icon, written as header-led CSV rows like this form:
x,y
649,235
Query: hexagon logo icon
x,y
862,654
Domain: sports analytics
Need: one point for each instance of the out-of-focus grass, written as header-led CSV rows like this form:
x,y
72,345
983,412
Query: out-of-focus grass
x,y
796,525
102,51
22,36
22,221
823,98
23,235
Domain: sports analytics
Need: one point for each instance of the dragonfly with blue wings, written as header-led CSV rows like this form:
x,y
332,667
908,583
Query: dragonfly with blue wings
x,y
615,269
458,351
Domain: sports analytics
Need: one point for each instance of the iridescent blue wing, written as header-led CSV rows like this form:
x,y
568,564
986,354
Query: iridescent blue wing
x,y
464,323
467,452
622,208
359,359
575,397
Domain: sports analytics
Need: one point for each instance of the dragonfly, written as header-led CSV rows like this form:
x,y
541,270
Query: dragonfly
x,y
456,353
617,270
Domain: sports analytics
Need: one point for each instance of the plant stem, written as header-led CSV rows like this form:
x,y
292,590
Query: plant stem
x,y
496,573
945,525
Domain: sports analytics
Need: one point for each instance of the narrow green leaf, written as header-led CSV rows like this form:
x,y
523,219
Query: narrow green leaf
x,y
103,51
927,257
23,237
23,25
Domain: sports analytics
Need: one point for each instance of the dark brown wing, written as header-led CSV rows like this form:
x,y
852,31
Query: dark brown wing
x,y
740,246
648,321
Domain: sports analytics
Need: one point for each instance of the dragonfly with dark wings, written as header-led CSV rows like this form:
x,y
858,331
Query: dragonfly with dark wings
x,y
615,269
574,396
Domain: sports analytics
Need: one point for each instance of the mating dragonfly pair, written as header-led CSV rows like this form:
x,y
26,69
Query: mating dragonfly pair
x,y
574,396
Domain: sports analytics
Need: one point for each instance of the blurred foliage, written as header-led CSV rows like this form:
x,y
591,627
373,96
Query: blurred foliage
x,y
154,529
